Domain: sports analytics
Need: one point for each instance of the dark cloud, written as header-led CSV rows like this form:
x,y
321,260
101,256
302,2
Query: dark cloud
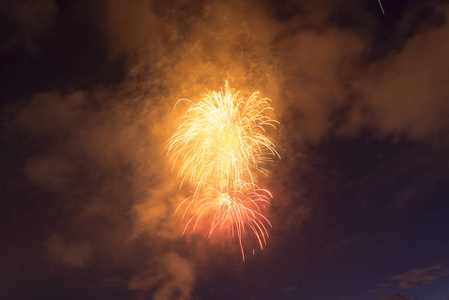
x,y
27,21
416,277
102,157
173,274
50,113
315,59
405,93
402,92
396,297
76,254
52,172
412,278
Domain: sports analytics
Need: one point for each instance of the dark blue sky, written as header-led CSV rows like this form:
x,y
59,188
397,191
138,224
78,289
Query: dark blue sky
x,y
360,192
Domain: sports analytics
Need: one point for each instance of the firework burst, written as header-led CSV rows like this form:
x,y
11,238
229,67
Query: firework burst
x,y
222,147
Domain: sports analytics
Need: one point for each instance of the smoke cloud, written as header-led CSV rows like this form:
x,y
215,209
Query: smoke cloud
x,y
28,21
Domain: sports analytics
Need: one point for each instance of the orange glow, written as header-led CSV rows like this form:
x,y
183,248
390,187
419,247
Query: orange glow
x,y
222,147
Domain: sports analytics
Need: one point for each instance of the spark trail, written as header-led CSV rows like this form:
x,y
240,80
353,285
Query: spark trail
x,y
381,7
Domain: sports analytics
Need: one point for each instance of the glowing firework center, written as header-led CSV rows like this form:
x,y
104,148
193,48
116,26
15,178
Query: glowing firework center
x,y
222,148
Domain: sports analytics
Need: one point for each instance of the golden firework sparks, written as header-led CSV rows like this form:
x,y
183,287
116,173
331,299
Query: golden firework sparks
x,y
222,147
222,139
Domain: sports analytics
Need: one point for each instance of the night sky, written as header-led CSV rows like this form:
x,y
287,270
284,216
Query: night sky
x,y
88,195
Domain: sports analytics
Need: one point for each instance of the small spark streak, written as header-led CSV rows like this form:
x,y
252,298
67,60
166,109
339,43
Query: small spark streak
x,y
381,7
